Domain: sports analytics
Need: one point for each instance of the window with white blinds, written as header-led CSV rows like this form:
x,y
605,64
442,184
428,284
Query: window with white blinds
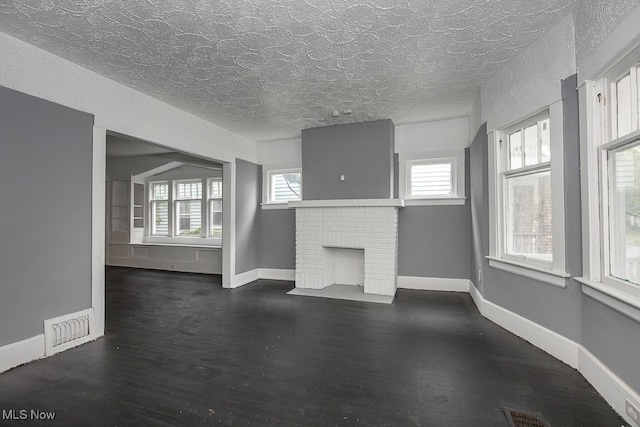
x,y
431,178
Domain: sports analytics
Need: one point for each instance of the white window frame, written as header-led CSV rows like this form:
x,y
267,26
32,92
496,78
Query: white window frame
x,y
153,202
203,207
597,98
209,204
506,173
455,157
554,272
267,202
173,238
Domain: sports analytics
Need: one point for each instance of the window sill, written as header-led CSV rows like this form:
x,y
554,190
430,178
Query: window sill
x,y
444,201
180,241
270,206
550,277
617,299
208,246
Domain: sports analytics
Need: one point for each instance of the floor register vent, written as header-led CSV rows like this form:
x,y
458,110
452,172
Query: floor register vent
x,y
64,332
518,418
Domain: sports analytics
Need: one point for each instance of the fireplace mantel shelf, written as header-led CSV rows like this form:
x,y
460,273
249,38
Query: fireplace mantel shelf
x,y
399,203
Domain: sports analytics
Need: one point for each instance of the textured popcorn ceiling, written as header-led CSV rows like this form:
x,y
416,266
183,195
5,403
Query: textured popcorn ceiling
x,y
269,68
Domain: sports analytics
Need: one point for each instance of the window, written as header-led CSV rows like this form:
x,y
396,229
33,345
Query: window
x,y
619,151
282,186
188,205
432,177
526,184
428,178
185,211
527,197
215,207
160,209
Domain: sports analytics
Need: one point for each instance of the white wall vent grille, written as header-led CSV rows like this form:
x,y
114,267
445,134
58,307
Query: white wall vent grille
x,y
71,330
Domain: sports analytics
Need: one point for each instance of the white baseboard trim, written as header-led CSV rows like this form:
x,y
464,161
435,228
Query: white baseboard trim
x,y
246,277
277,274
611,387
607,383
551,342
263,273
433,284
21,352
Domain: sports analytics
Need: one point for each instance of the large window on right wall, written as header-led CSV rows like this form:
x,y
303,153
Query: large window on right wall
x,y
617,110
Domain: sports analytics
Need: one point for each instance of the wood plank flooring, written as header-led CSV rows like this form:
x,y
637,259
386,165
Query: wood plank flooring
x,y
180,350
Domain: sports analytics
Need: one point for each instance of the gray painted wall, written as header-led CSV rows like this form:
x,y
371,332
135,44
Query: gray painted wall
x,y
478,195
121,168
435,241
45,188
278,238
557,309
613,338
248,196
572,189
363,152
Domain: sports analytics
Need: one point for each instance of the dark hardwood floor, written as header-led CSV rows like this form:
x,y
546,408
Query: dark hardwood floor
x,y
180,350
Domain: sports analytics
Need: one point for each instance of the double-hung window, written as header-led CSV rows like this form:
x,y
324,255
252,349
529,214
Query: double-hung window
x,y
617,116
526,185
527,197
188,208
159,205
215,207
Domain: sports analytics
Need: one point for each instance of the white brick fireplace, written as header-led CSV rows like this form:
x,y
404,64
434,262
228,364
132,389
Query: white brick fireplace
x,y
370,225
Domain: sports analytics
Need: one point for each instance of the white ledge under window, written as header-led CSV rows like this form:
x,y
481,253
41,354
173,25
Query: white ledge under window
x,y
435,201
550,277
179,245
618,299
269,206
347,203
180,241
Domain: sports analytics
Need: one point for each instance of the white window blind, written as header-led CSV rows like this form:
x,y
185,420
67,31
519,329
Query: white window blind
x,y
431,178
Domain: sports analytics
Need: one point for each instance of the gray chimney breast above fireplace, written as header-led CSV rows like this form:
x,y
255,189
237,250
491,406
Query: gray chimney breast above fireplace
x,y
361,153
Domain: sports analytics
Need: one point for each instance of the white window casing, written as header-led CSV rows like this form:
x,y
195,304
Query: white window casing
x,y
178,195
547,268
214,204
610,129
188,208
160,215
279,186
432,177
